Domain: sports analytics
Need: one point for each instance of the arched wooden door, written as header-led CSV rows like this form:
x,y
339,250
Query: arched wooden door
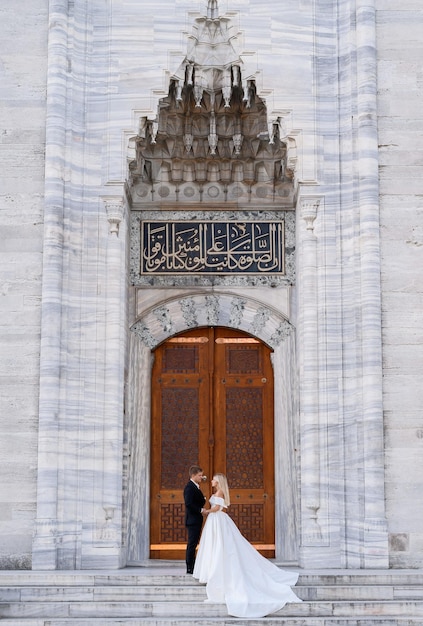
x,y
212,404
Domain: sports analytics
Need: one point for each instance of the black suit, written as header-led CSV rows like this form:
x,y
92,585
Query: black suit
x,y
194,502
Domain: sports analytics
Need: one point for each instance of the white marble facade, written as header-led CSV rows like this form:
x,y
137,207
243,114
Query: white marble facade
x,y
315,65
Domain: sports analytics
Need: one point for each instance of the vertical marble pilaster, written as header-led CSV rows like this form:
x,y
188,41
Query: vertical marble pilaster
x,y
45,534
375,538
311,534
108,533
81,393
286,450
138,434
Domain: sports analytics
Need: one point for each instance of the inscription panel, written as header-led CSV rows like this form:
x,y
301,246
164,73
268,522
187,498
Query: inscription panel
x,y
212,248
196,277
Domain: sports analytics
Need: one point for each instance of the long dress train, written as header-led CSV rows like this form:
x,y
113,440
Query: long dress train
x,y
236,574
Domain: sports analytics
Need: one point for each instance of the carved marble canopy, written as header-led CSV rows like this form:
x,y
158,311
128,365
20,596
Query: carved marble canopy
x,y
211,141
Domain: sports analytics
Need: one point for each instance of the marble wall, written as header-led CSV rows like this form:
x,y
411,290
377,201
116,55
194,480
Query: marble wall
x,y
109,63
23,83
400,90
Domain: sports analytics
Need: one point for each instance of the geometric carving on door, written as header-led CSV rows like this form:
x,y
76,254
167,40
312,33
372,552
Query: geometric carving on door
x,y
180,358
250,519
244,437
179,425
243,360
172,523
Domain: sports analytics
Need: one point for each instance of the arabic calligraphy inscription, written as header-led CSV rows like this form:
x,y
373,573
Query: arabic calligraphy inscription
x,y
205,247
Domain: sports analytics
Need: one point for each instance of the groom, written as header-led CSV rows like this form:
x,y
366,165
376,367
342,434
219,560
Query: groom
x,y
194,503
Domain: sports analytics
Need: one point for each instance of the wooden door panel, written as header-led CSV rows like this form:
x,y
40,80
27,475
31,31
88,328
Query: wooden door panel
x,y
180,406
213,405
245,407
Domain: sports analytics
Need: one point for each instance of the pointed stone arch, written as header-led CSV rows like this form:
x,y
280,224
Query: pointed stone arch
x,y
212,309
177,315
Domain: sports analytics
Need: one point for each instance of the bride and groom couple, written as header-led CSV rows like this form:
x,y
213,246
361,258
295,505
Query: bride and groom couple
x,y
234,572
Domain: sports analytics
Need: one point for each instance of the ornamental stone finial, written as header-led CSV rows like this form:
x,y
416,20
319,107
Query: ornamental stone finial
x,y
212,10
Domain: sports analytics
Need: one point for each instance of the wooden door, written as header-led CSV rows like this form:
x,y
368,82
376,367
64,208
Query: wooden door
x,y
212,404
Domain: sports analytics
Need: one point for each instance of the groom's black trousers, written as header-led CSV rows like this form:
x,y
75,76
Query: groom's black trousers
x,y
194,533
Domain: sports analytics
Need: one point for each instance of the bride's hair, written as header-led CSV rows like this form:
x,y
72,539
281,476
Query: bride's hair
x,y
223,484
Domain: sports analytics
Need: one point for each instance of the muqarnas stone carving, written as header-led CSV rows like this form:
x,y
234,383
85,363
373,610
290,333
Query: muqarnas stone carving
x,y
211,141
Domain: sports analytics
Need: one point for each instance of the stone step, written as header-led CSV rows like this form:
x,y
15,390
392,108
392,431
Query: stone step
x,y
196,592
116,609
375,620
24,578
171,598
172,576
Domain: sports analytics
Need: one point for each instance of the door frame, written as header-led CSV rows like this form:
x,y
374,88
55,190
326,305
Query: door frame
x,y
167,320
210,379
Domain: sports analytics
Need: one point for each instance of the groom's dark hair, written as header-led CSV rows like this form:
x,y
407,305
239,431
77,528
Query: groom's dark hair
x,y
194,469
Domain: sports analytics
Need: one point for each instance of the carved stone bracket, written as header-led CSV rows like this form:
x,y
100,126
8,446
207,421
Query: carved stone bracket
x,y
115,211
309,208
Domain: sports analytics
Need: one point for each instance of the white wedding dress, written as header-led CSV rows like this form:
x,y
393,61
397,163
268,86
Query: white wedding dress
x,y
235,573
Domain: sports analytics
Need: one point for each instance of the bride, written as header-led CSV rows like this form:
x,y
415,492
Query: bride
x,y
235,573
